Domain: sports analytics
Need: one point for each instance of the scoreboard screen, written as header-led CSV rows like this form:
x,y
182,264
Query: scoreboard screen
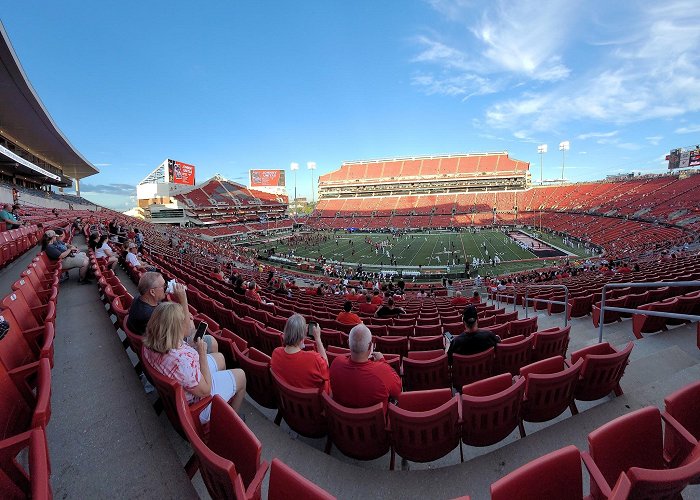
x,y
684,158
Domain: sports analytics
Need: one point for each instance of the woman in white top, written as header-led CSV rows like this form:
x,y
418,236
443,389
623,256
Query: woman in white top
x,y
104,251
131,256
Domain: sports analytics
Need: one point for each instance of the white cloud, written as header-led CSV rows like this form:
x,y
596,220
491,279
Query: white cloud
x,y
590,135
103,164
654,140
690,129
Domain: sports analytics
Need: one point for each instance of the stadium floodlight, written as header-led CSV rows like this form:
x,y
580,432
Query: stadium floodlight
x,y
541,149
294,166
311,165
564,146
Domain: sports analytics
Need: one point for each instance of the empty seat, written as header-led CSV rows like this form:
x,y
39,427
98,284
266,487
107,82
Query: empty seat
x,y
425,370
602,370
650,324
392,345
426,343
16,481
682,419
359,433
424,425
302,409
550,342
471,368
512,354
549,390
562,470
259,385
580,306
287,484
491,409
522,326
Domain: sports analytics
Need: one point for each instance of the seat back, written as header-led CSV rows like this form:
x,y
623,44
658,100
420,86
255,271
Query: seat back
x,y
548,344
302,409
684,406
421,374
562,468
523,326
513,355
658,484
470,368
632,440
424,436
601,373
428,330
286,483
359,433
491,409
259,384
548,393
33,481
392,345
269,339
580,306
426,343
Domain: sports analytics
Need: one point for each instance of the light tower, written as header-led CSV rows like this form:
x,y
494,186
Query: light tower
x,y
294,166
541,149
311,165
563,147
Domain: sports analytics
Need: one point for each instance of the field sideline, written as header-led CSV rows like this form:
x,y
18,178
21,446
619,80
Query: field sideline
x,y
422,249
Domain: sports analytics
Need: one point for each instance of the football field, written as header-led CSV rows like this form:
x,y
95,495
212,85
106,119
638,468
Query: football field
x,y
417,249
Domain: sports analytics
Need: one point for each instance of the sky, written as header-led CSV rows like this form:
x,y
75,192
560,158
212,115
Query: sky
x,y
236,85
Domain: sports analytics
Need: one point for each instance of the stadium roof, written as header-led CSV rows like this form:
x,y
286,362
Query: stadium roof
x,y
25,121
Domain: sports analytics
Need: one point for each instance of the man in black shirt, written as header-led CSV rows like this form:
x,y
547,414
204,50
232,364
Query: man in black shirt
x,y
473,340
389,310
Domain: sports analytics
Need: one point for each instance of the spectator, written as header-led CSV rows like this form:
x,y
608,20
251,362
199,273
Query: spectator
x,y
476,298
346,316
367,307
200,374
364,378
238,288
377,299
458,300
131,256
473,340
389,310
300,368
68,255
104,251
138,239
6,216
218,274
282,290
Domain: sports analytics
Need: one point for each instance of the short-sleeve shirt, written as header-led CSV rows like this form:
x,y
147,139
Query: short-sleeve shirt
x,y
348,318
303,369
139,314
132,259
471,343
100,253
181,364
359,385
386,312
53,251
368,308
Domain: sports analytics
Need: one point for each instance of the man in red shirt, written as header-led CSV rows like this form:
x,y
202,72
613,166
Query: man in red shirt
x,y
458,300
377,299
476,299
346,317
367,307
364,379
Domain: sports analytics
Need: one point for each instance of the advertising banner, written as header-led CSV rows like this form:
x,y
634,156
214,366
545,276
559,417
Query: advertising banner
x,y
266,178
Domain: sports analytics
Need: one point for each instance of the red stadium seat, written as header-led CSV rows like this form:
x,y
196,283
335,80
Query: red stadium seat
x,y
471,368
650,324
633,445
392,345
230,461
302,409
359,433
259,385
602,370
549,390
428,330
562,468
522,326
426,343
424,425
580,306
491,409
269,339
333,352
550,342
16,481
287,484
425,370
512,354
683,424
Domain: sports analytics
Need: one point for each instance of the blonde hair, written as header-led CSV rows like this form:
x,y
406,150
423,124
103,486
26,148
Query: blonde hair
x,y
164,329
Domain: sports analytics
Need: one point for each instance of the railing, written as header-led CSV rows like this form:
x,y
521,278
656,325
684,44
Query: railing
x,y
503,295
655,284
547,301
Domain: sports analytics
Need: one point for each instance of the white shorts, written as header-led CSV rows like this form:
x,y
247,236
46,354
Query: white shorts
x,y
222,383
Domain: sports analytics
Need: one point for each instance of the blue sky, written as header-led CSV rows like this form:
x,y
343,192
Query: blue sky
x,y
230,86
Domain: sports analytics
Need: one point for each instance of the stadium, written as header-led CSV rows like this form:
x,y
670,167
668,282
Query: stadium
x,y
592,288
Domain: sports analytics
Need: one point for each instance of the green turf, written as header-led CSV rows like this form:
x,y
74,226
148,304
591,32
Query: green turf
x,y
422,249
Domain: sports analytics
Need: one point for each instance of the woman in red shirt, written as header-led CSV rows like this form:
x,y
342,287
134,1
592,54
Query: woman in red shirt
x,y
300,368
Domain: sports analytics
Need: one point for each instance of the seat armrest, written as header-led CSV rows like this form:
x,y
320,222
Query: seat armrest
x,y
596,475
686,440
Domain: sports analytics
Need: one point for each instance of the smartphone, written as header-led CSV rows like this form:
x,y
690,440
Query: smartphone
x,y
448,336
201,330
310,331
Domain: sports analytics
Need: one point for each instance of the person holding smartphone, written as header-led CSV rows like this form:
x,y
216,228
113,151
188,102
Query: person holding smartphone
x,y
300,368
199,373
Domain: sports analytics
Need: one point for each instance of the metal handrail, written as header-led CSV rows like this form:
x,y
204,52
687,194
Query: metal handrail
x,y
565,303
653,284
501,295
